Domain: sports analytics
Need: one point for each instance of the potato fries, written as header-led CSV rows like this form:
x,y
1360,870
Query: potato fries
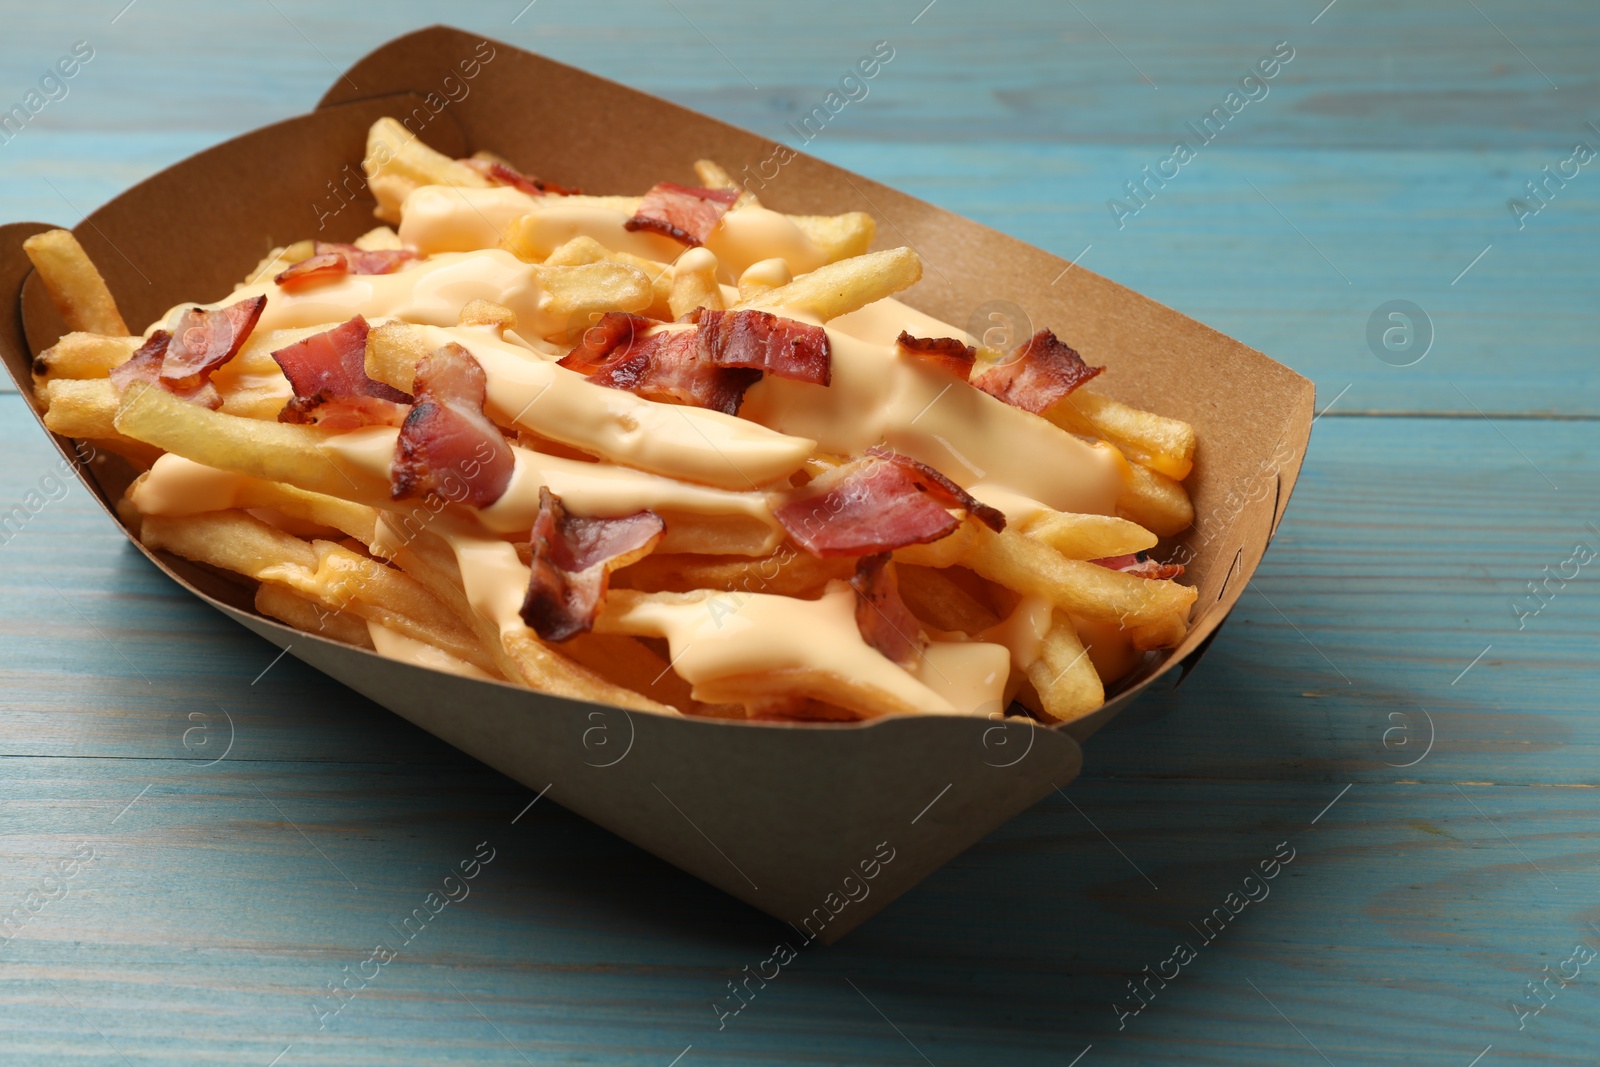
x,y
615,448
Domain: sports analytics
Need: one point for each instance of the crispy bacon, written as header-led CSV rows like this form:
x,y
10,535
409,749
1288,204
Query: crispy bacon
x,y
946,353
447,445
1040,372
943,489
882,617
683,213
762,340
183,361
331,389
331,260
505,174
669,366
616,329
573,557
1140,565
880,502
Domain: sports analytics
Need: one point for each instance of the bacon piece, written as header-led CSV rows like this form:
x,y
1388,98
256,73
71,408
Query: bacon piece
x,y
943,489
182,362
616,329
876,504
447,445
669,365
882,617
1040,372
505,174
946,353
573,557
331,260
1140,565
331,389
762,340
683,213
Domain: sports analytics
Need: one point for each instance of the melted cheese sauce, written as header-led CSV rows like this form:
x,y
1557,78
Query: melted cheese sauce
x,y
879,396
178,486
677,441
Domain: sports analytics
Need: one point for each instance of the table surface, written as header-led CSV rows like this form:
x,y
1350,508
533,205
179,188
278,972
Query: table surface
x,y
1376,702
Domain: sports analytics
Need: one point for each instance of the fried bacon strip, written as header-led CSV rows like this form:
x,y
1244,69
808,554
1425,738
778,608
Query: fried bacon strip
x,y
878,503
1038,373
946,353
762,340
331,389
683,213
182,362
573,557
616,329
331,260
1140,565
447,445
883,618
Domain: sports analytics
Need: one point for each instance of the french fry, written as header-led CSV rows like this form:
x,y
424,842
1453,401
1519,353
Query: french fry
x,y
713,176
1088,589
937,599
82,355
1088,536
847,285
583,249
379,239
1155,501
287,606
1063,676
1165,632
397,162
580,295
273,451
788,572
634,665
85,409
74,283
487,313
1162,444
839,236
232,541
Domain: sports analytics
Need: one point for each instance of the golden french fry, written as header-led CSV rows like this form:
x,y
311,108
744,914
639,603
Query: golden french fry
x,y
1156,502
839,236
713,176
393,351
788,572
946,552
1088,536
487,313
354,583
938,600
694,284
74,283
842,287
577,252
633,664
287,606
1063,676
85,409
1162,444
1165,632
582,250
718,535
397,162
82,355
232,541
1088,589
580,295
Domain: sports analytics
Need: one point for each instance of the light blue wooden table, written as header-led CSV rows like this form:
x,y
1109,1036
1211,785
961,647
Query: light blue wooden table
x,y
1373,702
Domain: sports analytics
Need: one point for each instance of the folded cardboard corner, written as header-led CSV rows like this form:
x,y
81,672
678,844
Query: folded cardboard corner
x,y
788,817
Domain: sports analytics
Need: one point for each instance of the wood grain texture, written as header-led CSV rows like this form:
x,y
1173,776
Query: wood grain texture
x,y
225,897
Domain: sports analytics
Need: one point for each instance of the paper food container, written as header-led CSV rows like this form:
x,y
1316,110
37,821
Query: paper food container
x,y
791,818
